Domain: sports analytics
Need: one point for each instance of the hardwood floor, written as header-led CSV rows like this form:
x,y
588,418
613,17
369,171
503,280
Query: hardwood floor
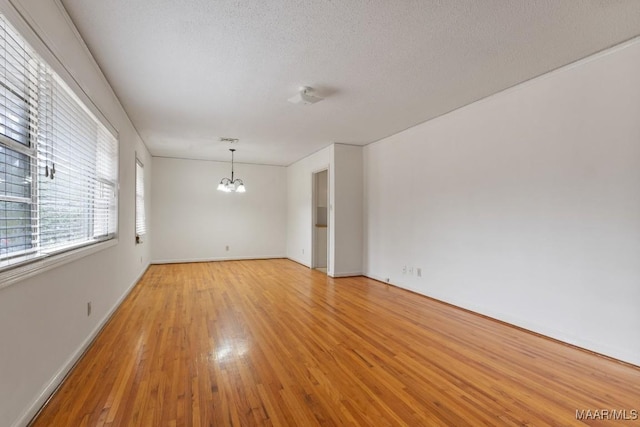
x,y
273,343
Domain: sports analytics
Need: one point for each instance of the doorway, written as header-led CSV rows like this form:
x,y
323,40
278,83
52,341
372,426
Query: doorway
x,y
320,232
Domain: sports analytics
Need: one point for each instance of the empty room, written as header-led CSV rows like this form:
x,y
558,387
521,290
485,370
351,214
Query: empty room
x,y
319,212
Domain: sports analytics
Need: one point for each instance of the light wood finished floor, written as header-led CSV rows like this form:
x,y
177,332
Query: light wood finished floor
x,y
273,343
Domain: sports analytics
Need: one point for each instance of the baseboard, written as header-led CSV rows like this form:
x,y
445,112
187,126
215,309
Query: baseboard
x,y
62,373
299,261
230,258
526,326
384,280
335,275
346,274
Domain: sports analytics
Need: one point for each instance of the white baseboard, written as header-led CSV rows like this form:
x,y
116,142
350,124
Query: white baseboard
x,y
231,258
527,325
346,274
59,376
379,279
299,261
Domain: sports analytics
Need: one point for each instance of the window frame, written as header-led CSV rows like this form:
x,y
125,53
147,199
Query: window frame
x,y
139,236
31,265
30,152
28,149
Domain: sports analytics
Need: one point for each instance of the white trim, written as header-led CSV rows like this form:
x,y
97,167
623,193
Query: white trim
x,y
314,214
346,274
61,374
299,261
27,150
14,199
237,258
139,236
16,274
379,279
321,169
552,333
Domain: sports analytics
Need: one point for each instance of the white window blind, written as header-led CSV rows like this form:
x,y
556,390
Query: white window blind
x,y
58,163
141,222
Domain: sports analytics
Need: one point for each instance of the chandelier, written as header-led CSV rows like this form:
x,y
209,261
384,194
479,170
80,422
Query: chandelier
x,y
231,185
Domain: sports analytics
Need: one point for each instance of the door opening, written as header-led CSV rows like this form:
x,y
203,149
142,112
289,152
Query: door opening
x,y
320,230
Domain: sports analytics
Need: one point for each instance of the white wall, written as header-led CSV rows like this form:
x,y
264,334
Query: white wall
x,y
192,221
300,205
347,230
524,207
43,322
344,163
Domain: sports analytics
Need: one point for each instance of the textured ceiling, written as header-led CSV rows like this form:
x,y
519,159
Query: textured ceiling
x,y
189,72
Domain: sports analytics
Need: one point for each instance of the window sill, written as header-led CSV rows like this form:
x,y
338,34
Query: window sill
x,y
36,267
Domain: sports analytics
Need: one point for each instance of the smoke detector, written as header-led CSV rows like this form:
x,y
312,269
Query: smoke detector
x,y
304,97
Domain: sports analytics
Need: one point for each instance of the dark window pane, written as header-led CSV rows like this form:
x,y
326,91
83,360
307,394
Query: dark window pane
x,y
15,173
14,116
15,228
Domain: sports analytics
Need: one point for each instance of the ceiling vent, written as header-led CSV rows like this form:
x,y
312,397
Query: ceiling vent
x,y
229,140
305,97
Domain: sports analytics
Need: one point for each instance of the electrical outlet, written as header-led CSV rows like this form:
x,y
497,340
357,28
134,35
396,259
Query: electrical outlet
x,y
89,309
226,248
411,270
419,272
404,270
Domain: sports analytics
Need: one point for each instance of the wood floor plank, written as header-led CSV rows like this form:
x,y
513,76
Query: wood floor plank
x,y
272,343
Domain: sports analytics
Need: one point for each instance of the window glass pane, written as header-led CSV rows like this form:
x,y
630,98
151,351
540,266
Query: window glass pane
x,y
104,209
64,207
15,228
141,223
14,116
79,204
15,173
18,80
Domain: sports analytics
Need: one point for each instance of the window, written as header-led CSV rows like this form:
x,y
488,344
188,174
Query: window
x,y
58,163
141,223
